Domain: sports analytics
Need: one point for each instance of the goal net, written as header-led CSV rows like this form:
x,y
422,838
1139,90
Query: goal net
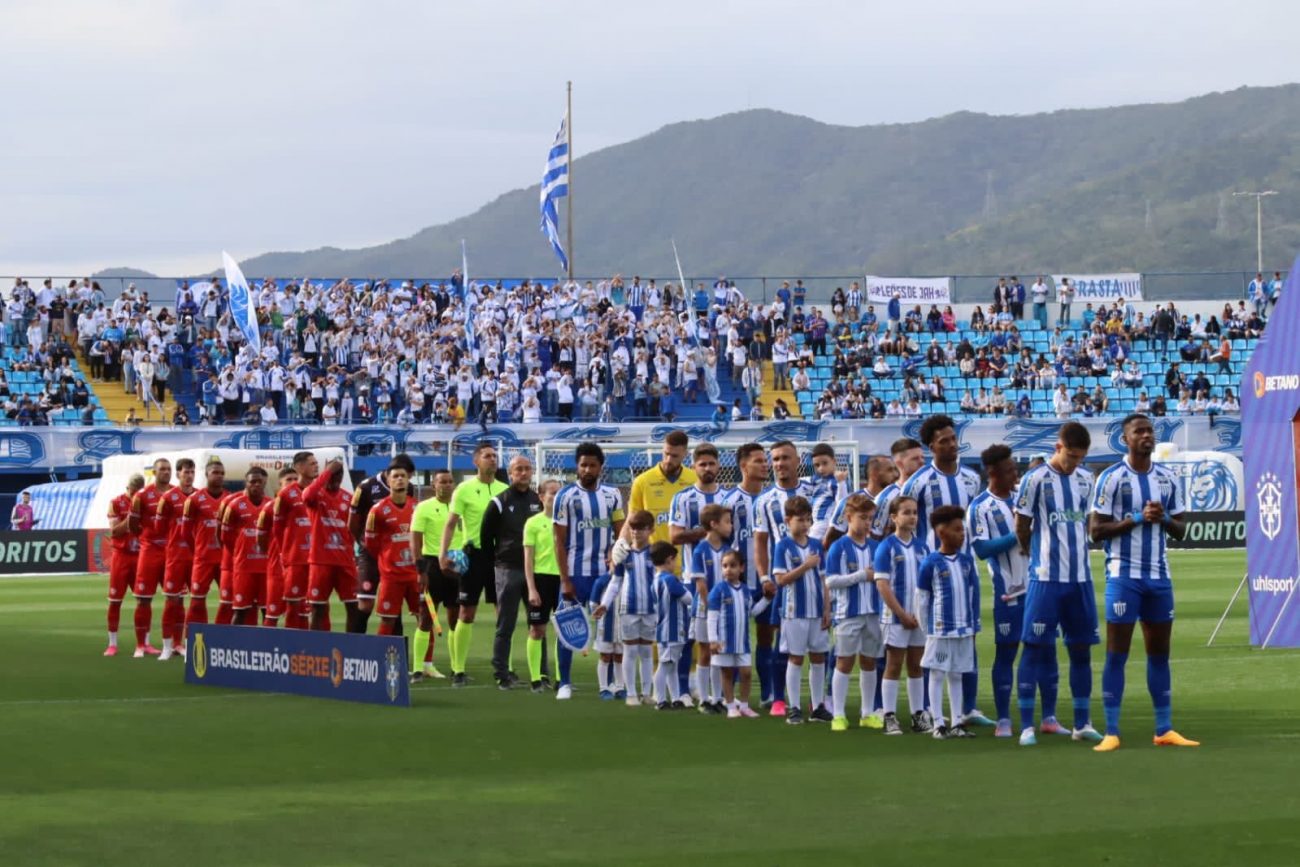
x,y
625,461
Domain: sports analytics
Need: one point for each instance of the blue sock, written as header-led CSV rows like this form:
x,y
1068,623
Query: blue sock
x,y
1003,676
1158,684
1049,678
925,687
565,657
779,663
1027,684
1112,689
880,677
763,662
684,670
970,681
1081,682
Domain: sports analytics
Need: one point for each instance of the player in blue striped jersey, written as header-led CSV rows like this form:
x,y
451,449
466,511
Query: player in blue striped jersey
x,y
949,577
731,605
1137,504
705,570
908,458
609,665
828,489
751,461
684,529
805,618
855,612
1052,526
588,518
673,610
991,531
902,613
945,482
769,529
631,595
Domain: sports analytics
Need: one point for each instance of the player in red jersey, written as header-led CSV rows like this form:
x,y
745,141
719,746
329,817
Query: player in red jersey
x,y
226,583
239,534
202,521
333,565
388,539
179,557
126,550
153,553
270,543
292,526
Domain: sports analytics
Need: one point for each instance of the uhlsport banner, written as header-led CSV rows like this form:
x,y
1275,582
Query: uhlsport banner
x,y
337,665
1103,287
1270,406
910,290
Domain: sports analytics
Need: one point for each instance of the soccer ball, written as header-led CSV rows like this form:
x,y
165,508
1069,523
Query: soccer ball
x,y
459,562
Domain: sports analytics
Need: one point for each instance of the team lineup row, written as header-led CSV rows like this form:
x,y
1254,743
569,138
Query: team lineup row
x,y
890,572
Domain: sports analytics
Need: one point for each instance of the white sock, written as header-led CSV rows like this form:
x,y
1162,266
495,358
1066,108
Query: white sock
x,y
616,674
936,698
646,664
631,654
889,695
792,672
661,684
715,677
693,681
817,683
955,696
669,668
839,692
867,683
112,639
915,694
602,675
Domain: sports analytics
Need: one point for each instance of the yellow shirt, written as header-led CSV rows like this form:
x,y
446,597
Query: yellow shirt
x,y
654,492
430,518
540,536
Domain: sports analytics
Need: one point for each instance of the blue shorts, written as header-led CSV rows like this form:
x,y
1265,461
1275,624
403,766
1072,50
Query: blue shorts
x,y
582,585
1008,620
1128,601
1070,606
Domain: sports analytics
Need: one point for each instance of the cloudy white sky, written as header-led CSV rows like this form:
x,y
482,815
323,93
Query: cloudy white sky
x,y
154,134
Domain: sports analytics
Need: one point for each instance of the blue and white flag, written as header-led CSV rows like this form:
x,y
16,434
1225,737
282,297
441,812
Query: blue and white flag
x,y
464,296
555,185
572,627
242,310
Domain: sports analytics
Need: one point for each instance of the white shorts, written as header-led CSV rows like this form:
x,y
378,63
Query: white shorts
x,y
634,627
860,636
699,629
614,647
949,654
804,635
898,636
672,650
731,660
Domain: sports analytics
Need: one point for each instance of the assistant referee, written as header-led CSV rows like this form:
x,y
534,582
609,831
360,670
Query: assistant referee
x,y
468,504
502,533
426,536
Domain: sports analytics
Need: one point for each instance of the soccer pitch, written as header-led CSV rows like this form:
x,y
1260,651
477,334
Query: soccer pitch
x,y
116,761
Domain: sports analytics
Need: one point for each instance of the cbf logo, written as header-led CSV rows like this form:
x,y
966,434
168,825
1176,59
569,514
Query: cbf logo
x,y
1268,494
392,674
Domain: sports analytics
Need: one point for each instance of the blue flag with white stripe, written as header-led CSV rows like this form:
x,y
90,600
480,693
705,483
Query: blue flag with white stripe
x,y
555,185
242,311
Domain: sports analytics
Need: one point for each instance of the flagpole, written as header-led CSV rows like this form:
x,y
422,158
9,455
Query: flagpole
x,y
680,276
568,128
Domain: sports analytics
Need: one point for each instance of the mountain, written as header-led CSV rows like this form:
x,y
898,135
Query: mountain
x,y
1142,187
127,273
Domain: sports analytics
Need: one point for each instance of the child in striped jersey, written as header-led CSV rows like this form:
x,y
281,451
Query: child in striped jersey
x,y
805,620
609,670
705,569
948,576
632,588
730,607
673,610
855,613
898,558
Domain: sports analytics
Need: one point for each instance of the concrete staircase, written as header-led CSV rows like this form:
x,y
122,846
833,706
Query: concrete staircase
x,y
770,394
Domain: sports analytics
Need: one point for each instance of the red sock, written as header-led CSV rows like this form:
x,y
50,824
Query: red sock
x,y
198,612
428,654
323,623
385,626
295,618
143,620
114,615
225,614
268,620
173,619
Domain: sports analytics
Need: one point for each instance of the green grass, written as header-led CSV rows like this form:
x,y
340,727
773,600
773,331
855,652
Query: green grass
x,y
116,761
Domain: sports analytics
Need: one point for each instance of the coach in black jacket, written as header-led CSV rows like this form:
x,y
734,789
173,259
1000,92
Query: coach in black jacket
x,y
503,535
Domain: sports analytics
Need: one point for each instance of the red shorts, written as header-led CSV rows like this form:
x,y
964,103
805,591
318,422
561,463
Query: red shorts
x,y
121,574
324,580
393,593
225,587
250,589
149,574
201,578
274,593
295,581
176,578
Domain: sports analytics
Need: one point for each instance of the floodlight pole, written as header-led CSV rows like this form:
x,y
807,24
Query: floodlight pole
x,y
1259,224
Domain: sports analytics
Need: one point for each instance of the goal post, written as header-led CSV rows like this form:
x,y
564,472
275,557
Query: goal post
x,y
555,459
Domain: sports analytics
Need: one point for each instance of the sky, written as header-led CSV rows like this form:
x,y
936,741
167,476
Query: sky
x,y
156,134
